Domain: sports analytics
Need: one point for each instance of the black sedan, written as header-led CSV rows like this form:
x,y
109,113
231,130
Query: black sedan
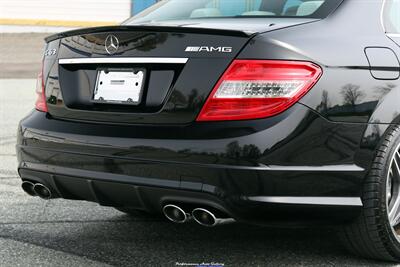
x,y
273,112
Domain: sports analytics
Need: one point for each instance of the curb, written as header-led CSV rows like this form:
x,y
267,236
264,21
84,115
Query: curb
x,y
55,23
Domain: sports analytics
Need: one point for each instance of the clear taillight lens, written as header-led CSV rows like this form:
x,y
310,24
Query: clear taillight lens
x,y
254,89
40,104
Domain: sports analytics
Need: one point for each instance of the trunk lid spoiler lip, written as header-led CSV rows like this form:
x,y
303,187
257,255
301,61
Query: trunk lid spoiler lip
x,y
216,28
175,29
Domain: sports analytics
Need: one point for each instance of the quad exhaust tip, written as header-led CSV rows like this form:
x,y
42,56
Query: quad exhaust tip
x,y
207,218
42,191
175,214
28,188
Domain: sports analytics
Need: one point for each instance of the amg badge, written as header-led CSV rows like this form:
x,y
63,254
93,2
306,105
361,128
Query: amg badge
x,y
210,49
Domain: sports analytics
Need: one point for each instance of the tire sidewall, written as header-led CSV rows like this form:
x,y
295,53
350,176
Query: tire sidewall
x,y
392,239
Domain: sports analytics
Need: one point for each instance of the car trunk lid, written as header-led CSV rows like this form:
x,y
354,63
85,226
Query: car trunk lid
x,y
180,66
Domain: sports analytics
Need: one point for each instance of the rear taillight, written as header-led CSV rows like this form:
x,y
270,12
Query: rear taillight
x,y
40,104
254,89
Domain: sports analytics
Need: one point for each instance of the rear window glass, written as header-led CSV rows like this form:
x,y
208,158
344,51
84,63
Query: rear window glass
x,y
391,16
198,9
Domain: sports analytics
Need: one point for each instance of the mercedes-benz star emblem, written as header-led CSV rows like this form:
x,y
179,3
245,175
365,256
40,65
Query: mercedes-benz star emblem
x,y
112,44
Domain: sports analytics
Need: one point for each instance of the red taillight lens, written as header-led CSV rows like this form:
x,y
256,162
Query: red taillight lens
x,y
40,104
254,89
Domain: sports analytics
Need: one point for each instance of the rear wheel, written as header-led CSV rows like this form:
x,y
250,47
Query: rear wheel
x,y
376,232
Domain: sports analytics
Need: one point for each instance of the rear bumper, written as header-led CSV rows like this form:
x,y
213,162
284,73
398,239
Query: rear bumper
x,y
299,168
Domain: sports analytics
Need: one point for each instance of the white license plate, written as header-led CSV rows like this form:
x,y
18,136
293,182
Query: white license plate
x,y
121,87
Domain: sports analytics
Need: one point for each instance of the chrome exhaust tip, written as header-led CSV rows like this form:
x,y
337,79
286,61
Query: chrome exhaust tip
x,y
175,214
208,219
42,191
28,188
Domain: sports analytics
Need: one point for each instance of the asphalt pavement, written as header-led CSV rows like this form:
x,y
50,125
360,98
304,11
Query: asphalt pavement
x,y
35,232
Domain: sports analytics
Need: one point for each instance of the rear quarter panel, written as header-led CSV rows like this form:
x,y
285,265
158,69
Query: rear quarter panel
x,y
347,91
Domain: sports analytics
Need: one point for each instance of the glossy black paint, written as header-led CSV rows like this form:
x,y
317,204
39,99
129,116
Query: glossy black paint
x,y
70,87
262,158
154,154
338,44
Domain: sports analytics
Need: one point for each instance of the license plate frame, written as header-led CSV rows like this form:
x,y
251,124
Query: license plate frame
x,y
119,86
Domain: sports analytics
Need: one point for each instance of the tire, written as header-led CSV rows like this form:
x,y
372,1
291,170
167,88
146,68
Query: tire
x,y
371,235
137,213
